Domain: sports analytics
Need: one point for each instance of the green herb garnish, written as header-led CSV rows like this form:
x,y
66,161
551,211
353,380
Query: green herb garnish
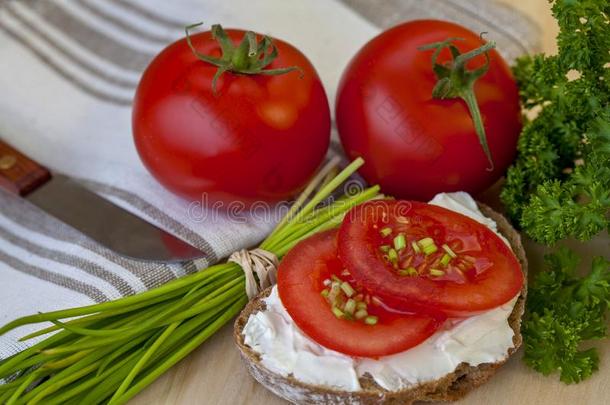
x,y
565,311
400,242
386,231
559,186
436,272
371,320
449,251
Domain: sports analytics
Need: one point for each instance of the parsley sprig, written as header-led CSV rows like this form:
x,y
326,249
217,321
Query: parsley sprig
x,y
559,186
566,310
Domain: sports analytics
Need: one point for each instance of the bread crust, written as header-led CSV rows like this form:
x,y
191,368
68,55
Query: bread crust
x,y
451,387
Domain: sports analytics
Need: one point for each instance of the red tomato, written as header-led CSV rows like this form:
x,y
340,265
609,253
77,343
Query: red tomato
x,y
425,258
260,138
301,279
414,145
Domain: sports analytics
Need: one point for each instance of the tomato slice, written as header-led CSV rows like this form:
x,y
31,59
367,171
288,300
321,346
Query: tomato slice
x,y
425,258
311,268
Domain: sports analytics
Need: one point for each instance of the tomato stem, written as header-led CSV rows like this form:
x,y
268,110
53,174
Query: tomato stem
x,y
469,97
456,81
250,57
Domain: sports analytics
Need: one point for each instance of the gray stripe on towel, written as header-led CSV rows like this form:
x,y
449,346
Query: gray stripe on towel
x,y
95,41
82,85
74,261
126,27
79,61
514,39
149,15
31,217
63,281
151,211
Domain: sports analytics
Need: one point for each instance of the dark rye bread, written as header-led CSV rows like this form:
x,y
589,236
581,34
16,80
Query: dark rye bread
x,y
448,388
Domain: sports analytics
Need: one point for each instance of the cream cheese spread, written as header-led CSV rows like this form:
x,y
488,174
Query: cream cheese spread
x,y
286,350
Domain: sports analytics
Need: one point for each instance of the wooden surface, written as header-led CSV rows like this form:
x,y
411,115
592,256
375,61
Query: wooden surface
x,y
213,374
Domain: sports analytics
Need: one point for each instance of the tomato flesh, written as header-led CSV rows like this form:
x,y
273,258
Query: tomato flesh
x,y
301,279
447,263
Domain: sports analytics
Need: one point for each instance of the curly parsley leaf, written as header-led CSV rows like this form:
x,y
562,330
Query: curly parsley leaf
x,y
559,186
566,310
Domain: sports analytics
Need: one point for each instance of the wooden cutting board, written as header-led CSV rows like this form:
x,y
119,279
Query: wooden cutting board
x,y
213,374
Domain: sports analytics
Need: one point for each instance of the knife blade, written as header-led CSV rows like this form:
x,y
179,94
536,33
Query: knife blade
x,y
106,223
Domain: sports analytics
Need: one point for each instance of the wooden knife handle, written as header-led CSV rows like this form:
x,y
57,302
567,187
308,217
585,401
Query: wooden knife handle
x,y
18,173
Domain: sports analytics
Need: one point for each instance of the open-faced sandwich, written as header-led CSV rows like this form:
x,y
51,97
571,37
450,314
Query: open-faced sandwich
x,y
405,302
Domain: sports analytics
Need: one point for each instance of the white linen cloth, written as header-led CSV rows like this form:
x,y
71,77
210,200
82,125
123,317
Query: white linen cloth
x,y
68,71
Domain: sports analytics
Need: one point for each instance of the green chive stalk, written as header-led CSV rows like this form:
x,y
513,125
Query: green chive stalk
x,y
109,352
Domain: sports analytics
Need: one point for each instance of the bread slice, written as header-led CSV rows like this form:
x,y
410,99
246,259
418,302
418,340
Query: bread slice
x,y
451,387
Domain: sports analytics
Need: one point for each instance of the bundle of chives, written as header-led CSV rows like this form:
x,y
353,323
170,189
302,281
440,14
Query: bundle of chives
x,y
111,351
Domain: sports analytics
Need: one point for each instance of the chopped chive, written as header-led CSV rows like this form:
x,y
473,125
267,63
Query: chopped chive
x,y
449,251
347,289
385,248
325,292
371,320
350,306
416,248
425,242
393,255
338,313
428,250
361,305
361,313
436,272
410,271
336,279
335,289
386,231
445,260
400,242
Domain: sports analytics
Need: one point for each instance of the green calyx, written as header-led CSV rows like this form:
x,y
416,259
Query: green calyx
x,y
456,81
250,57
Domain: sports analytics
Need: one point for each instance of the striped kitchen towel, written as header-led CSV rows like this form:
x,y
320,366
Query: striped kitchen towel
x,y
68,71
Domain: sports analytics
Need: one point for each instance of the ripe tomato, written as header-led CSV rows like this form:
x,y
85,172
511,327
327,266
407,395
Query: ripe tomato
x,y
310,269
259,138
415,145
425,258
